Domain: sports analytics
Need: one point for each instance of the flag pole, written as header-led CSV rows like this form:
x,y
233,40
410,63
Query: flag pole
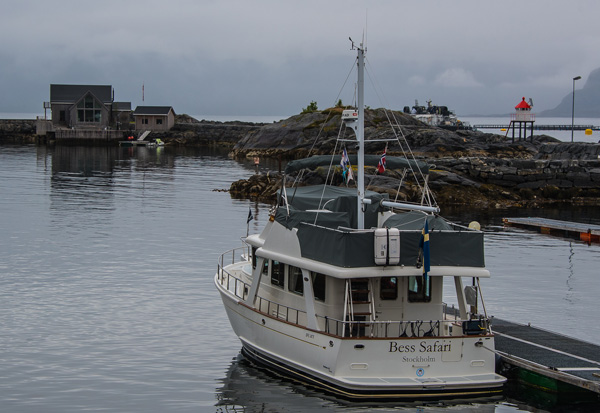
x,y
250,218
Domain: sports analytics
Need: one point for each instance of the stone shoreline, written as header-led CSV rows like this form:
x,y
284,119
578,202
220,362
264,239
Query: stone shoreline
x,y
17,130
467,167
531,187
187,131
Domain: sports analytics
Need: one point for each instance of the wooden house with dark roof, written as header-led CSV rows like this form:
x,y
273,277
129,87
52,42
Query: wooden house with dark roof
x,y
87,107
154,118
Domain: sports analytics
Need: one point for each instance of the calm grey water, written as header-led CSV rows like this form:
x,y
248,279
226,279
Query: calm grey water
x,y
106,297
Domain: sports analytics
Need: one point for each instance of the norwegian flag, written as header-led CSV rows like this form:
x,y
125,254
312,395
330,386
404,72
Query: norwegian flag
x,y
381,166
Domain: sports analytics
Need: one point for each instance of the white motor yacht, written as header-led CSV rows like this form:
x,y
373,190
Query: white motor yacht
x,y
343,289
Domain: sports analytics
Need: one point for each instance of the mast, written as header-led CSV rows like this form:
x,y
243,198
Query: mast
x,y
360,137
362,202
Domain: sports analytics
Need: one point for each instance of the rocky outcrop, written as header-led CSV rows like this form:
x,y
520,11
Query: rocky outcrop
x,y
260,186
208,133
468,167
17,130
564,150
476,182
317,132
189,131
514,182
519,173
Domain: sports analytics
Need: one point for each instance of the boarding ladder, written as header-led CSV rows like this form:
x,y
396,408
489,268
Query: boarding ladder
x,y
359,307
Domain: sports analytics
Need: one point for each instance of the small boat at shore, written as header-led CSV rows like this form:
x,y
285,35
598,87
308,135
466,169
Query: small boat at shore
x,y
343,289
155,143
137,142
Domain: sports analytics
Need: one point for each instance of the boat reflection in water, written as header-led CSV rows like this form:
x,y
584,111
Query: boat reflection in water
x,y
248,387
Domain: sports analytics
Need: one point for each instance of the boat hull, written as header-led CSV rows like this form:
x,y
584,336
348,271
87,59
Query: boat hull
x,y
366,368
364,393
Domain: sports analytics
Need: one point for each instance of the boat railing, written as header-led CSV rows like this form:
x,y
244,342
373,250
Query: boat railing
x,y
450,326
230,282
401,329
240,289
283,312
233,256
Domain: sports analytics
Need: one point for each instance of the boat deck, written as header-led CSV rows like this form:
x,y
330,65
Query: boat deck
x,y
549,354
585,232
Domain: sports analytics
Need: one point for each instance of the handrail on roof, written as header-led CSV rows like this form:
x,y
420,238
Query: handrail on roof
x,y
402,205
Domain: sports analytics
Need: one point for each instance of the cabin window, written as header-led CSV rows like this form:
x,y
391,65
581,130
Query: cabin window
x,y
389,288
419,291
265,269
277,273
296,285
159,121
318,282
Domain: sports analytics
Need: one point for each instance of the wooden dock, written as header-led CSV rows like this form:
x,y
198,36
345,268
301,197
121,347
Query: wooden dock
x,y
584,232
540,127
547,360
135,143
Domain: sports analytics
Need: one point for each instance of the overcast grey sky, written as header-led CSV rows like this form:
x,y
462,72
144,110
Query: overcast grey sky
x,y
268,57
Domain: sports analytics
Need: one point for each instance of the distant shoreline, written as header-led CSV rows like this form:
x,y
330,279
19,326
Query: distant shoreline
x,y
211,118
564,135
275,118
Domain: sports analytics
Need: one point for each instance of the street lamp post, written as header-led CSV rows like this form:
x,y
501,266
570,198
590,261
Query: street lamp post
x,y
573,108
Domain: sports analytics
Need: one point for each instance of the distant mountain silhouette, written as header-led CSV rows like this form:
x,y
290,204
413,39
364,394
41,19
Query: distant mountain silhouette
x,y
587,100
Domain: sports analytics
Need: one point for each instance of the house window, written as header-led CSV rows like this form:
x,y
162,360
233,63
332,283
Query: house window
x,y
89,110
62,116
389,288
419,291
159,121
295,283
277,274
144,121
318,281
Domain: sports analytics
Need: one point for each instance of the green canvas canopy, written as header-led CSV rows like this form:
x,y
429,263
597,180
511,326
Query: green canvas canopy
x,y
356,248
335,199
